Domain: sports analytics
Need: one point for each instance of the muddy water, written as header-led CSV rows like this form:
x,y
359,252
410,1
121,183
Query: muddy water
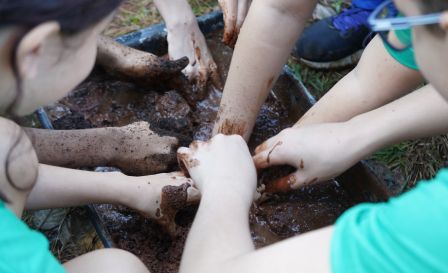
x,y
102,101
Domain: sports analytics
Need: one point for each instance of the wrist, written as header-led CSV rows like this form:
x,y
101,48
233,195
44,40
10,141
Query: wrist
x,y
129,186
221,192
365,136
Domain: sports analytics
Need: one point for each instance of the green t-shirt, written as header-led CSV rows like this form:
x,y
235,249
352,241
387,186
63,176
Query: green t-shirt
x,y
408,233
405,57
23,250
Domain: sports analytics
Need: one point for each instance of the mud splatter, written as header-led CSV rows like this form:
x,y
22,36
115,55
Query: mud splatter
x,y
268,159
232,127
173,199
269,84
302,164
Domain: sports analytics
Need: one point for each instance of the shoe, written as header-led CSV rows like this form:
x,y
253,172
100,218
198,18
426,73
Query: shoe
x,y
334,42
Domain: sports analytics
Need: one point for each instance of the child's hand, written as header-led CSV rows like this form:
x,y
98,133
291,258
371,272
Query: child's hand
x,y
222,164
319,152
161,196
234,12
138,150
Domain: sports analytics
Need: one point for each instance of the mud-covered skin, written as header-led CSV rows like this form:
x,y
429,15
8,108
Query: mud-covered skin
x,y
185,39
234,12
106,101
135,148
174,198
134,65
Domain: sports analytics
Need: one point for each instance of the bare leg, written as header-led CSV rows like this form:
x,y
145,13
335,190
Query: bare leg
x,y
186,39
134,148
135,65
266,39
107,261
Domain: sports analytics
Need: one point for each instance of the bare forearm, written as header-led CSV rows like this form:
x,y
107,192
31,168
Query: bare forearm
x,y
378,79
73,148
263,46
422,113
220,232
60,187
175,12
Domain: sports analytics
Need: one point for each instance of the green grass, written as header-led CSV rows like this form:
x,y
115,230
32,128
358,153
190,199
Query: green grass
x,y
200,7
318,82
416,160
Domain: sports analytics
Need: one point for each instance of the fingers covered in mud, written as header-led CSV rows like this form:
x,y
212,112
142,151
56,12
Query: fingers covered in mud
x,y
234,12
229,10
174,192
134,65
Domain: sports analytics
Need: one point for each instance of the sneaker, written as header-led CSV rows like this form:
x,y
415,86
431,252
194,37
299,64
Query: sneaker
x,y
334,42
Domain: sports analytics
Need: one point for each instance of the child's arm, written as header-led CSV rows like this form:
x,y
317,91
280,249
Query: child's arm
x,y
219,240
185,39
323,151
135,149
376,80
60,187
266,39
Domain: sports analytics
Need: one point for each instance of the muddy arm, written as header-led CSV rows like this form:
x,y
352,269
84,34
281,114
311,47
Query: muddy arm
x,y
135,149
376,80
135,65
266,39
186,39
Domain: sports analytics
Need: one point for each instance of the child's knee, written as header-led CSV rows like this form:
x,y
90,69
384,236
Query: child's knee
x,y
111,260
119,258
18,161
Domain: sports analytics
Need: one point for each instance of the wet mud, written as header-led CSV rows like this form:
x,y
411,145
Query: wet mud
x,y
103,101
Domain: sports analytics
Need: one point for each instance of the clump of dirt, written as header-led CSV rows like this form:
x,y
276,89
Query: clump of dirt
x,y
102,101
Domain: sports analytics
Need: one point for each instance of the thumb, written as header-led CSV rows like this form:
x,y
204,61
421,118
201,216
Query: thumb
x,y
269,156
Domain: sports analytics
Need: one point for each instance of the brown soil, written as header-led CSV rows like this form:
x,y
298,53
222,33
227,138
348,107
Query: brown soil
x,y
102,101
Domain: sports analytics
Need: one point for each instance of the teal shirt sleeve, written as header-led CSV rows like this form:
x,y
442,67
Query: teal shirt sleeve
x,y
406,234
407,56
23,250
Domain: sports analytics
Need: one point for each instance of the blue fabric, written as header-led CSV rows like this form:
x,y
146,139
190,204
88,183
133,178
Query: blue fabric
x,y
367,4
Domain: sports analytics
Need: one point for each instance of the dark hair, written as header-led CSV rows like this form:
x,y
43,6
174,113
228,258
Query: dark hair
x,y
73,16
430,6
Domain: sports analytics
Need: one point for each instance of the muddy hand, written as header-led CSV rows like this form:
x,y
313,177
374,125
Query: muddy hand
x,y
222,164
161,196
319,152
187,40
138,150
234,12
135,65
